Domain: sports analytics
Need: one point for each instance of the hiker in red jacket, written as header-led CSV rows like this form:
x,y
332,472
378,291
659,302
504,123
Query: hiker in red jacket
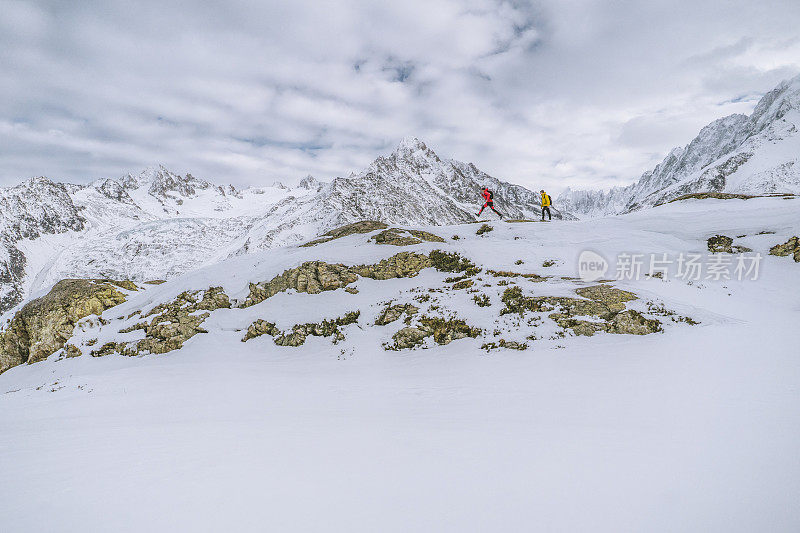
x,y
489,197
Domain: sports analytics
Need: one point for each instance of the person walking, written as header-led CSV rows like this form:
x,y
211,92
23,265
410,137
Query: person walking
x,y
546,203
489,201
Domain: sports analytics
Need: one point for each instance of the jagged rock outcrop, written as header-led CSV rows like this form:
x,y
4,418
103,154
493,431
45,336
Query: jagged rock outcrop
x,y
314,277
632,322
402,265
407,338
714,195
404,237
394,312
442,330
724,244
789,248
260,327
173,323
485,228
299,332
452,262
604,302
43,326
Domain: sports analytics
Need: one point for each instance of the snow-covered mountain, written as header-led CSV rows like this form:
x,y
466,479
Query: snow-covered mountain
x,y
158,224
356,386
756,154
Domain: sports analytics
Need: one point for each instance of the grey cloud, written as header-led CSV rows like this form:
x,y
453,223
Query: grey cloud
x,y
541,93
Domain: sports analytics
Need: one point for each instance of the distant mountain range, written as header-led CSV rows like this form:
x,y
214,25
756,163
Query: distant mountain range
x,y
756,154
157,224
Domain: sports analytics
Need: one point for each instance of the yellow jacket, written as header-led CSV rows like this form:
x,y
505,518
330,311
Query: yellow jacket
x,y
545,200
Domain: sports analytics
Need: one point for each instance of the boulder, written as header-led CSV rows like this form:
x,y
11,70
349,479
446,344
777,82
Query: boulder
x,y
719,244
260,327
611,297
43,325
408,338
394,312
485,228
631,322
723,244
789,248
445,331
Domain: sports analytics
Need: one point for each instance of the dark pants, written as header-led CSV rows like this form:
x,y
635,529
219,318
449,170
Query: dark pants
x,y
491,206
546,209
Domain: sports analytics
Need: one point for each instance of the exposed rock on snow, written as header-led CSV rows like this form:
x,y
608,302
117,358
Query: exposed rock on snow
x,y
452,262
362,226
260,327
408,337
723,244
43,325
299,332
735,155
603,302
174,323
443,331
790,247
402,265
394,312
404,237
314,277
485,228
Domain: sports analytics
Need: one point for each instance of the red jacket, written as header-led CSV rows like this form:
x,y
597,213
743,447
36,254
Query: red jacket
x,y
487,195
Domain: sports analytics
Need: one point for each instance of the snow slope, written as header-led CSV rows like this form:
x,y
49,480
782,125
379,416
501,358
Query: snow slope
x,y
158,224
691,429
756,154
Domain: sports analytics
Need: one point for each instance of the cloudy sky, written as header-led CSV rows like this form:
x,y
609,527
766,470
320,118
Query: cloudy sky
x,y
553,93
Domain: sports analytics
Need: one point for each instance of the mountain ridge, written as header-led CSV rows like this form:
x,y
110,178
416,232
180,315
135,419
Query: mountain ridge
x,y
158,224
756,153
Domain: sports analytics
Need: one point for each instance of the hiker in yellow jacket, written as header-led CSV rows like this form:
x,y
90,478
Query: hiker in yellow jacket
x,y
546,203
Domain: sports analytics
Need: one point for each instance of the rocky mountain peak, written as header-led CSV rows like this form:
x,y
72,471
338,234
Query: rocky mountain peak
x,y
113,190
309,182
165,181
410,144
776,104
413,151
160,181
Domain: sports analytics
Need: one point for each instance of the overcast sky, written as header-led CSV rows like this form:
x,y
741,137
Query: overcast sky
x,y
544,94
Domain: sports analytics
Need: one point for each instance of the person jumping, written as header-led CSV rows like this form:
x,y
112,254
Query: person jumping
x,y
546,203
489,197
